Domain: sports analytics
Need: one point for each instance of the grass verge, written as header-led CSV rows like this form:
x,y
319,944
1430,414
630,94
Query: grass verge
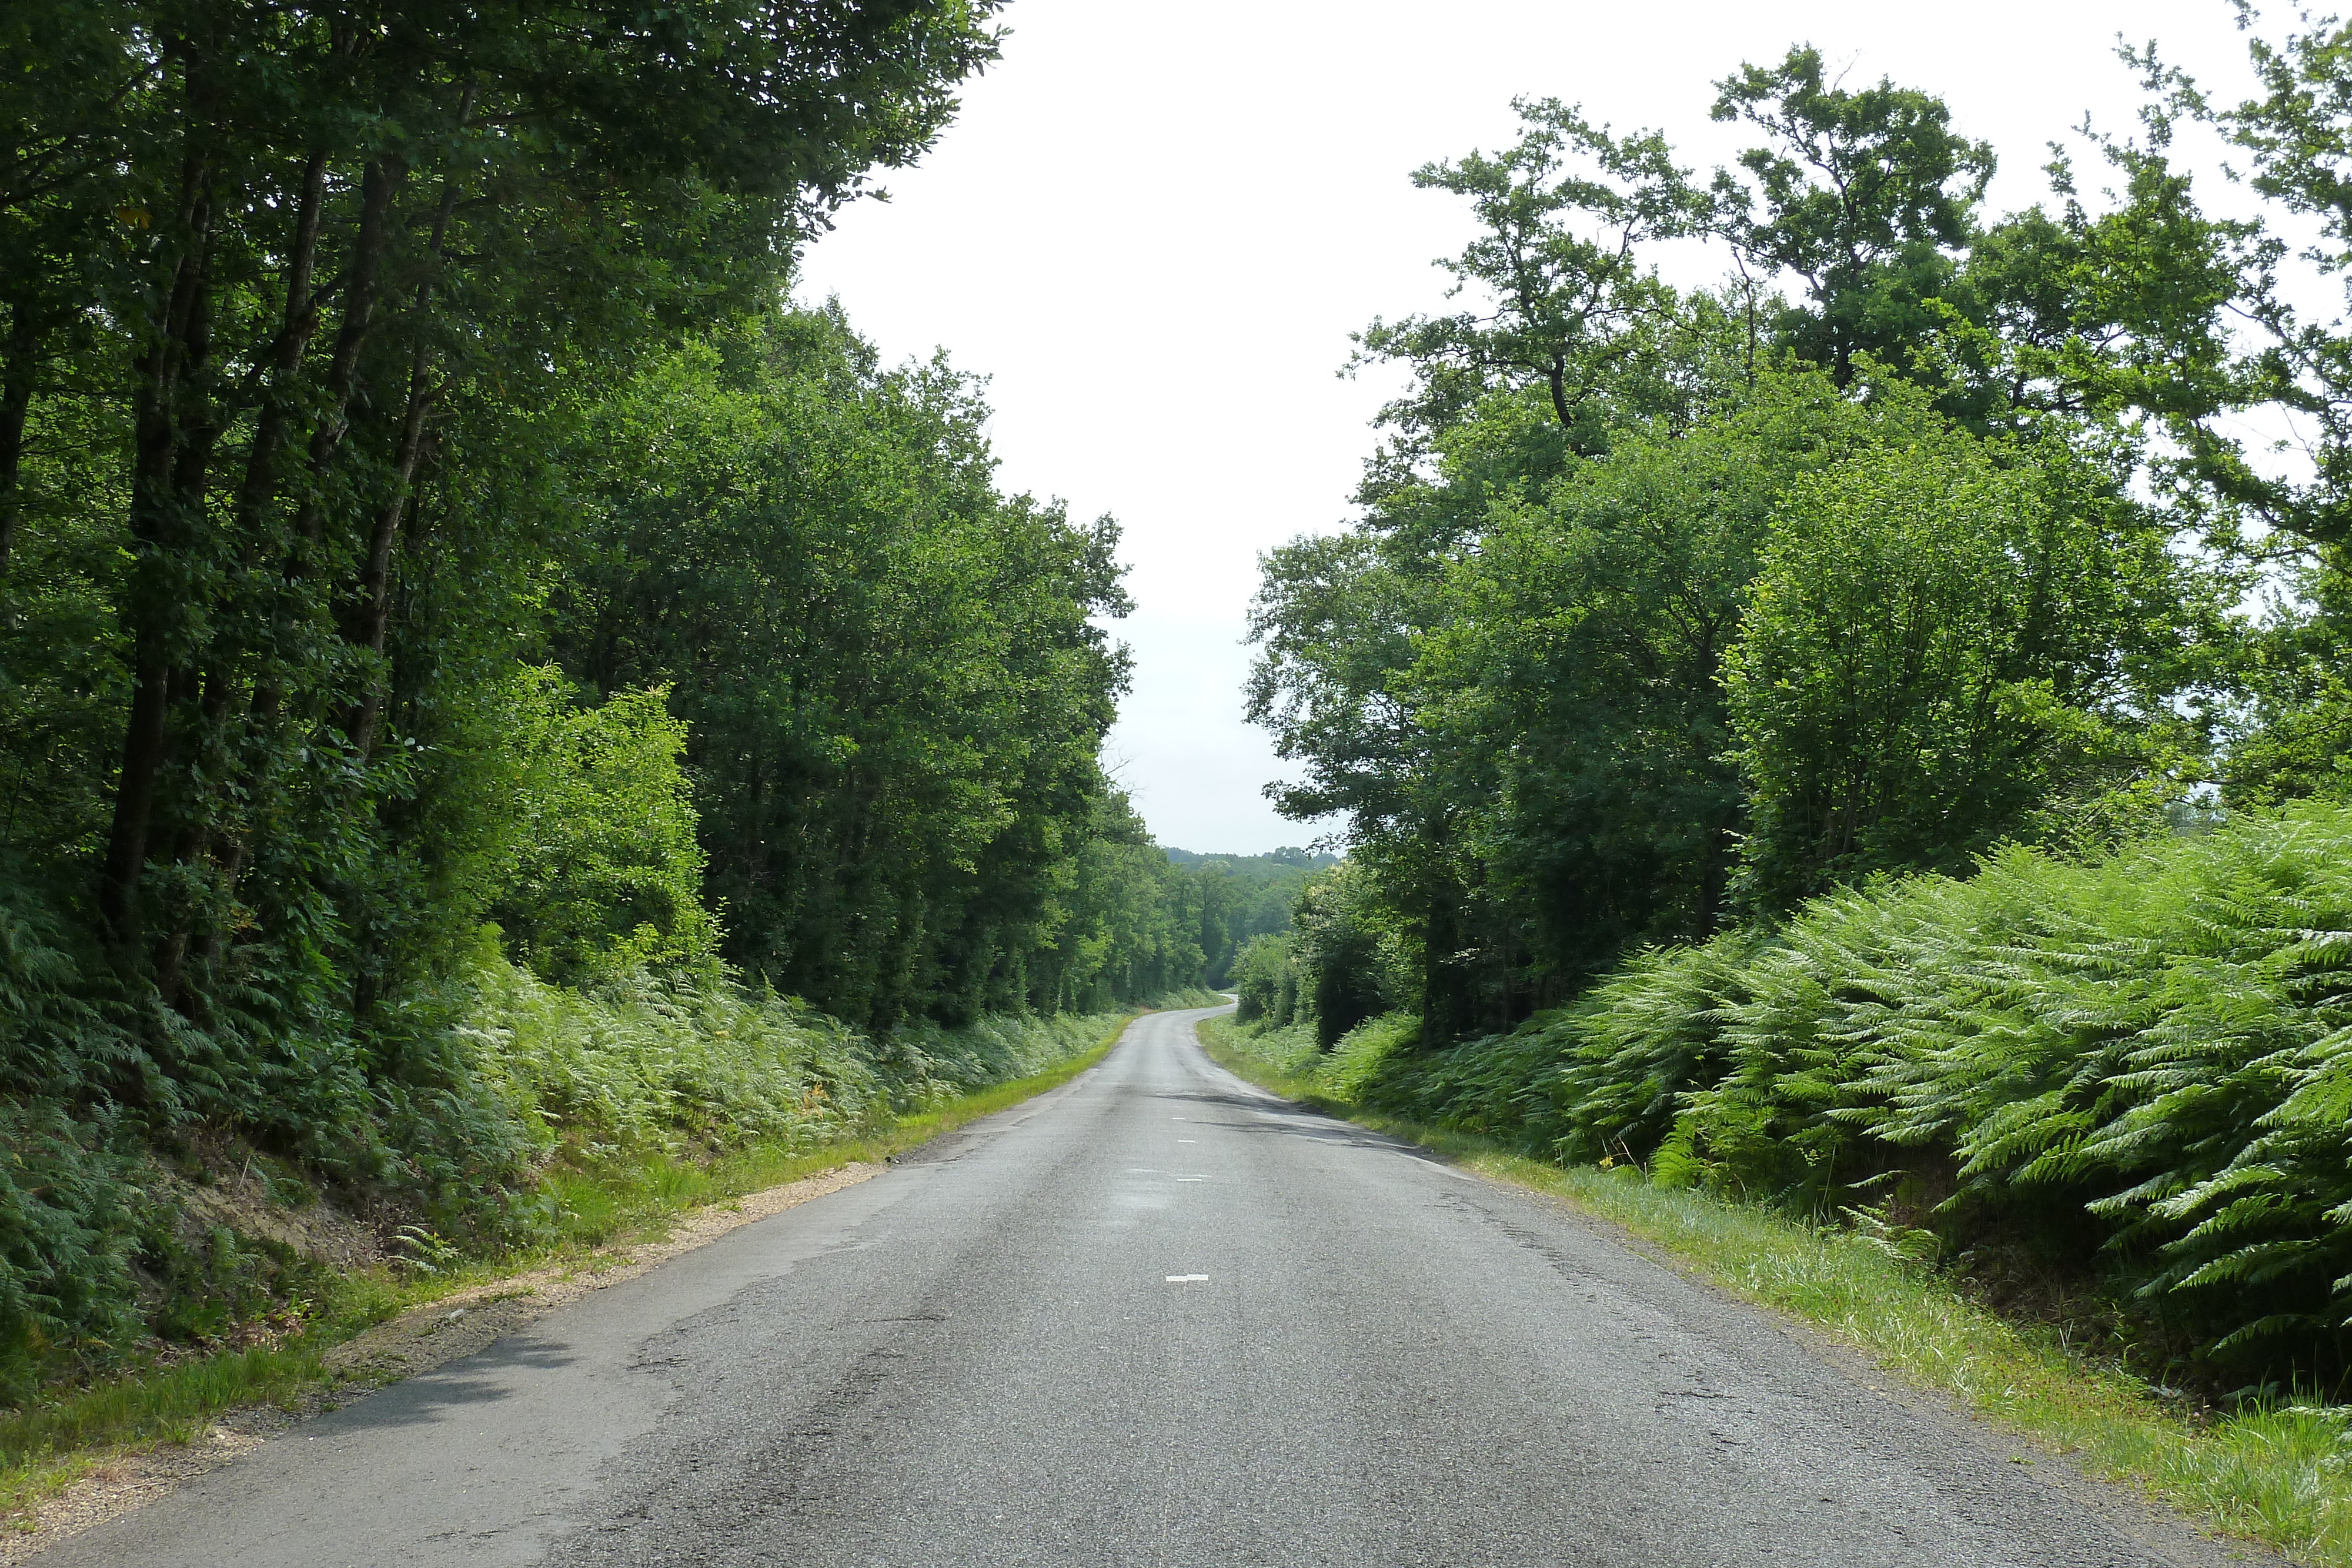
x,y
46,1449
2279,1474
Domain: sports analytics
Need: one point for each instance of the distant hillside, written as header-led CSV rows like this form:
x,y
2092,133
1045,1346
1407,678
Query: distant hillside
x,y
1301,859
1241,896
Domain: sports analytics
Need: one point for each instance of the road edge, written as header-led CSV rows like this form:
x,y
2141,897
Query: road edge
x,y
2134,1504
116,1479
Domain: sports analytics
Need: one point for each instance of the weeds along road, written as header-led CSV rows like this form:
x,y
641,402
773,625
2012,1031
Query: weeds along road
x,y
1154,1317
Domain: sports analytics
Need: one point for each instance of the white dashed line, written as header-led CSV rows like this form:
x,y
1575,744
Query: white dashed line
x,y
1188,1279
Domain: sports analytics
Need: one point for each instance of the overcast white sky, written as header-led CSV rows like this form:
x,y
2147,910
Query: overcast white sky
x,y
1154,227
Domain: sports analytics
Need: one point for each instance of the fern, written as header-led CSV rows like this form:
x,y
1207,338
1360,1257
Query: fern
x,y
2159,1044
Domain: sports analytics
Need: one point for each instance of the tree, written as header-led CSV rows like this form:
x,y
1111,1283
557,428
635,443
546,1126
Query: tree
x,y
606,873
299,308
1947,638
1574,693
1573,305
1345,946
1508,679
1868,197
328,252
892,679
2297,138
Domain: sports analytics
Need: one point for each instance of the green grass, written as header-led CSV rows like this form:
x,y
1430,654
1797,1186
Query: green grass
x,y
2280,1474
616,1199
46,1447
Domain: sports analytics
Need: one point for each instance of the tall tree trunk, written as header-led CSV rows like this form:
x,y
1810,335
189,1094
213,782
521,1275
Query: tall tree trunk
x,y
378,182
18,363
156,605
374,617
360,288
297,324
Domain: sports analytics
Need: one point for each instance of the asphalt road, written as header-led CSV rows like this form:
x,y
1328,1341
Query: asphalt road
x,y
1155,1317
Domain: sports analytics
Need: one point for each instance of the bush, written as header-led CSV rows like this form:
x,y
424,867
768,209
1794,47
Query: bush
x,y
606,872
67,1230
1344,949
2149,1058
1265,981
499,1084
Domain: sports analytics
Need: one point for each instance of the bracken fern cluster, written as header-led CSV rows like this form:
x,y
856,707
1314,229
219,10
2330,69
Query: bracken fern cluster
x,y
2150,1055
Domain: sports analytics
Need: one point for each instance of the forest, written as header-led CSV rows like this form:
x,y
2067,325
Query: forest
x,y
489,684
1868,735
1240,898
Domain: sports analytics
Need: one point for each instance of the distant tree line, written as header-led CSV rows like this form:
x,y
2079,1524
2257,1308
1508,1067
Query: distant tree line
x,y
1240,898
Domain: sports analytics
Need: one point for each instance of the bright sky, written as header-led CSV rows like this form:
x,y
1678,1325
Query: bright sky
x,y
1154,227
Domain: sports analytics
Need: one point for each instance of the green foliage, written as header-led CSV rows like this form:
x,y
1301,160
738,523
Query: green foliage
x,y
68,1217
1243,897
1575,690
1945,638
299,309
1357,1058
1129,919
677,1063
606,872
623,1196
2144,1056
1266,981
2292,135
891,675
1866,195
1348,967
1634,1045
1581,314
1359,1063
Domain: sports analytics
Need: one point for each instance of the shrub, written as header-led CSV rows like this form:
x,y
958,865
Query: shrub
x,y
606,871
2149,1057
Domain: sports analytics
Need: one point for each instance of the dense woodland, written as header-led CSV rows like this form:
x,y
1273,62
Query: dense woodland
x,y
1241,898
487,683
1870,733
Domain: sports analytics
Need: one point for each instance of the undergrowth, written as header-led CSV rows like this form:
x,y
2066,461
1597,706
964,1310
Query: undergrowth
x,y
2123,1086
661,1154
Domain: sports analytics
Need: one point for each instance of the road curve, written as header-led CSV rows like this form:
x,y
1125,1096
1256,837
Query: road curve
x,y
1155,1317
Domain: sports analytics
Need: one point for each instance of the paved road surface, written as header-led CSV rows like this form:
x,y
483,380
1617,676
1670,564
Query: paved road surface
x,y
1153,1318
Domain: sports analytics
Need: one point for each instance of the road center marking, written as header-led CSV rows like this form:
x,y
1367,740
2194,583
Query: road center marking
x,y
1188,1279
1191,1178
